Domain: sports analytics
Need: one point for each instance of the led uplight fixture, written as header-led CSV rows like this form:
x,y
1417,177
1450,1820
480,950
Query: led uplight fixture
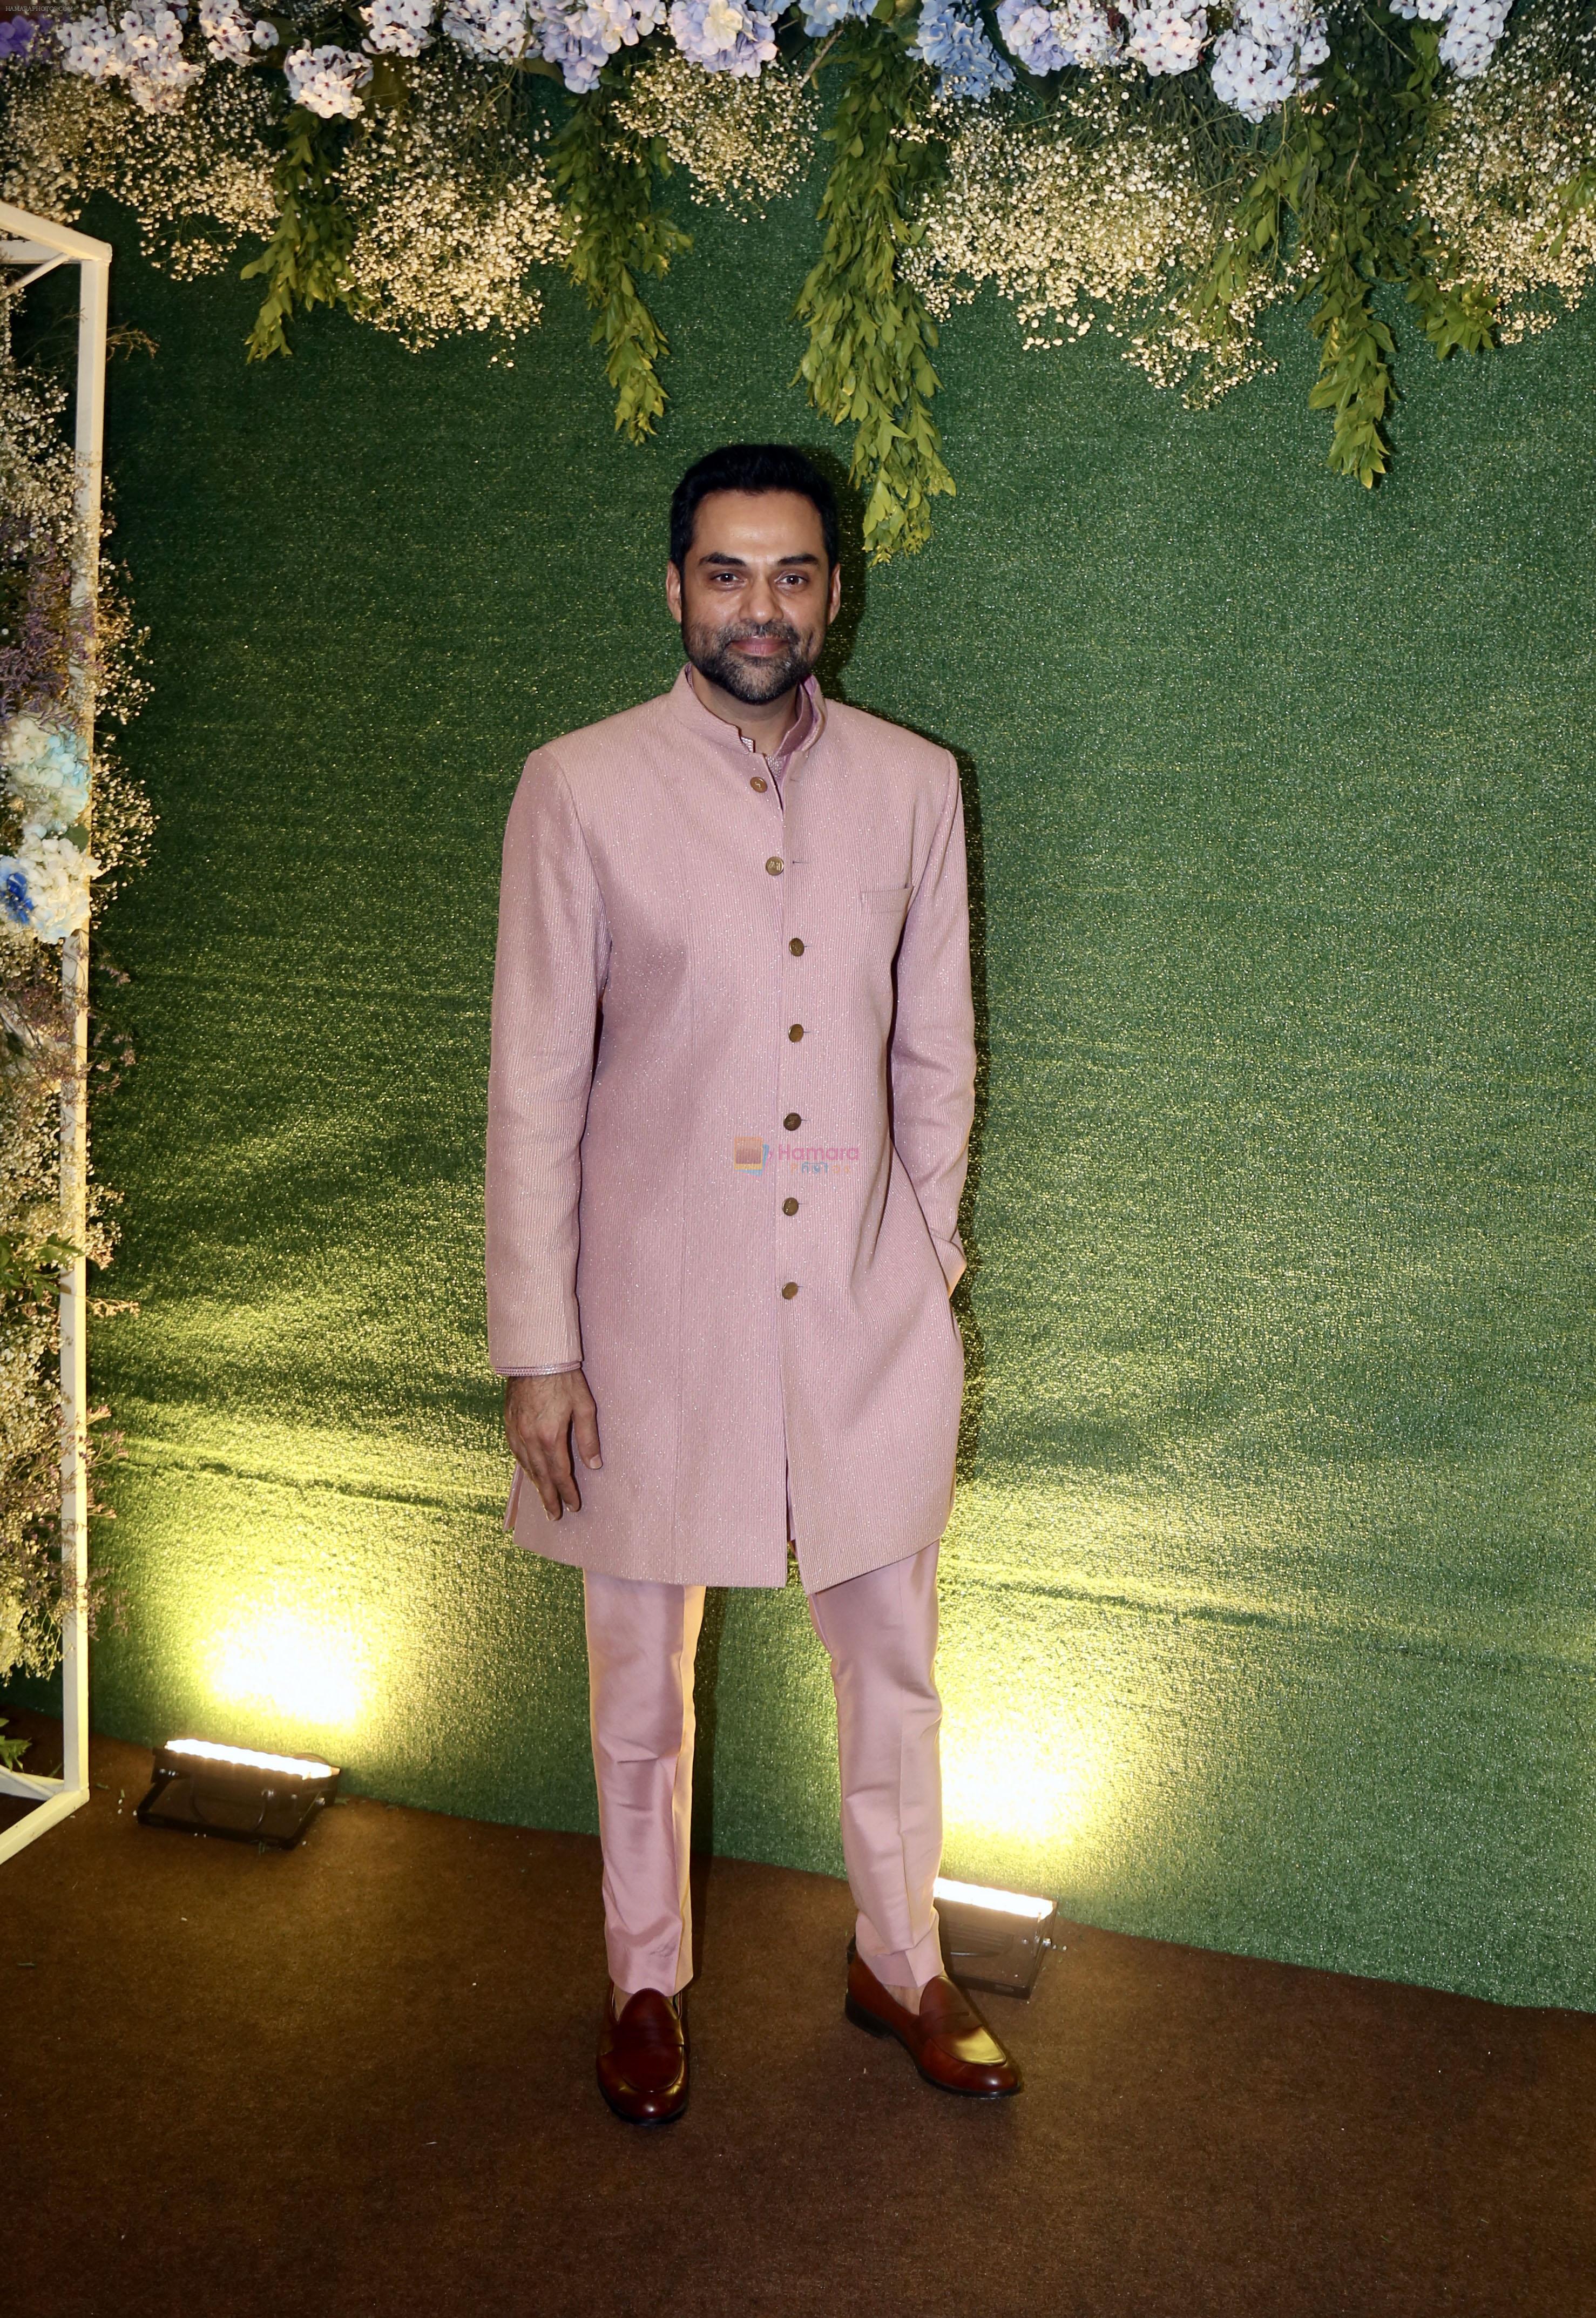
x,y
202,1789
992,1938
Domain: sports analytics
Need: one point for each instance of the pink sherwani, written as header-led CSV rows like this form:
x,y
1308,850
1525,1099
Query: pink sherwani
x,y
717,995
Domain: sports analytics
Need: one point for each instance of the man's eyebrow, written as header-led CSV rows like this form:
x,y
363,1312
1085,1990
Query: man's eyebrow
x,y
720,555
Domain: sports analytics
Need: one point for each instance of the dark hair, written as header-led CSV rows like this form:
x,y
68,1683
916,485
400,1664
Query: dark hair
x,y
750,467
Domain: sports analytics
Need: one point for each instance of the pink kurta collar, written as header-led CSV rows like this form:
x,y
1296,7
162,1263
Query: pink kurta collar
x,y
801,735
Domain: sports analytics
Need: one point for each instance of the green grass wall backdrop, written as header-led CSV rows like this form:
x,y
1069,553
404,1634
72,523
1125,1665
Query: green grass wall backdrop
x,y
1268,1616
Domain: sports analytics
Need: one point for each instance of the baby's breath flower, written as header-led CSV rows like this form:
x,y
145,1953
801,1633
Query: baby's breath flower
x,y
453,213
1514,145
198,180
741,142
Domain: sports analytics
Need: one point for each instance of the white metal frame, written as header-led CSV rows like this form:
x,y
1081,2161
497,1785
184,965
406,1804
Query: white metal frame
x,y
37,246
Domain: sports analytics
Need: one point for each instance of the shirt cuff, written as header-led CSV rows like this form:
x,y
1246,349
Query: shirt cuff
x,y
558,1367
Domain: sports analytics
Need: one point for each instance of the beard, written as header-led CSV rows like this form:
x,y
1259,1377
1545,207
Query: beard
x,y
753,682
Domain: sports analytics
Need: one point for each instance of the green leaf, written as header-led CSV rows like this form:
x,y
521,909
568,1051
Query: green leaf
x,y
867,361
604,178
306,261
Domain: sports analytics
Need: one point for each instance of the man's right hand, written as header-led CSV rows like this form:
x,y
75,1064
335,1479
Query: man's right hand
x,y
541,1415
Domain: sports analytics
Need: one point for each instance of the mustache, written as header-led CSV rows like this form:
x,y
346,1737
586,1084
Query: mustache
x,y
745,631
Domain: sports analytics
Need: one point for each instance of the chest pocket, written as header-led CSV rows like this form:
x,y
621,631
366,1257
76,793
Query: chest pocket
x,y
881,910
890,902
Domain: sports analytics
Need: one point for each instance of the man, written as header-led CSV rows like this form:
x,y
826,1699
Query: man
x,y
729,1117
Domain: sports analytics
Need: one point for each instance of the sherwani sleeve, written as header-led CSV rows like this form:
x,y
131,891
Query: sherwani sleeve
x,y
549,975
933,1048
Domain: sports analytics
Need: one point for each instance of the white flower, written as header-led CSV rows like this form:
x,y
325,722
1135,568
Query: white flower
x,y
328,81
1271,50
158,74
143,47
44,887
46,772
1473,31
722,23
1296,26
233,32
723,37
399,28
1086,33
1253,81
490,29
91,46
1168,38
1474,28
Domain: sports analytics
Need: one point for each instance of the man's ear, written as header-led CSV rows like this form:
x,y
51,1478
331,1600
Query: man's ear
x,y
836,591
673,592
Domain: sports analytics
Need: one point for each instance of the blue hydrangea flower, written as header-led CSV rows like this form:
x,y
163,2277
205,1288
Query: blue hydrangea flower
x,y
823,17
969,68
1028,31
580,36
1048,37
44,886
44,767
15,896
724,35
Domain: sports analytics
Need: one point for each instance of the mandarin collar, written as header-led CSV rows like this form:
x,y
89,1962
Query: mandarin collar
x,y
686,705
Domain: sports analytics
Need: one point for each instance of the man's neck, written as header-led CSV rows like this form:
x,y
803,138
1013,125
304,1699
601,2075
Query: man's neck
x,y
766,722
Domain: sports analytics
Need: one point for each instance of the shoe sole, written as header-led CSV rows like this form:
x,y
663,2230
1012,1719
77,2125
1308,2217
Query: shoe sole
x,y
872,2026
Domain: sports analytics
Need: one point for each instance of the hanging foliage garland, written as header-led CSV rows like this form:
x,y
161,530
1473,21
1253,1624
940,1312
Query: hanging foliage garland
x,y
1170,170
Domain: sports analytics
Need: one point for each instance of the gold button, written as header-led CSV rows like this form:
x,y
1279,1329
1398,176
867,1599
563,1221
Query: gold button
x,y
789,1207
775,864
797,946
754,782
790,1290
796,1032
792,1120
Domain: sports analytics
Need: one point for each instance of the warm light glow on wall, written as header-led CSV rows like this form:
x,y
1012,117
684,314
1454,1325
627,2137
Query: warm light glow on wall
x,y
290,1668
1008,1783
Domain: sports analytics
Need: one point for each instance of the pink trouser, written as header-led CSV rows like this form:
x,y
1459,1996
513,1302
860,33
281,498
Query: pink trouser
x,y
880,1633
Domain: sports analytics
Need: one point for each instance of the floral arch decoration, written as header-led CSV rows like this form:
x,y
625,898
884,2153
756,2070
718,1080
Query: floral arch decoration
x,y
71,823
51,530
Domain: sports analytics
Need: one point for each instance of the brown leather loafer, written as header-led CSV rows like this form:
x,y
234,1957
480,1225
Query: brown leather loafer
x,y
642,2057
946,2039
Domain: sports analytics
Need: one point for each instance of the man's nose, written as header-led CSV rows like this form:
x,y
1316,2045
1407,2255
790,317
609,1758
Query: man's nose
x,y
763,603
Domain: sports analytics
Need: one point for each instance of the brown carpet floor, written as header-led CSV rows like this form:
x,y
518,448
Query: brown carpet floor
x,y
357,2078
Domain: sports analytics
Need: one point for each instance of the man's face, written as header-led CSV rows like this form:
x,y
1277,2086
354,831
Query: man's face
x,y
756,597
